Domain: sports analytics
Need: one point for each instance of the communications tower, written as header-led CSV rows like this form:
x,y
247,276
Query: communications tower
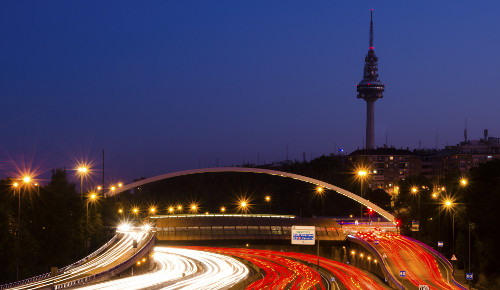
x,y
370,89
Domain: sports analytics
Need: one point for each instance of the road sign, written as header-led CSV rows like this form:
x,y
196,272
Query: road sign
x,y
377,242
423,287
303,235
402,274
469,276
333,279
440,244
415,226
453,258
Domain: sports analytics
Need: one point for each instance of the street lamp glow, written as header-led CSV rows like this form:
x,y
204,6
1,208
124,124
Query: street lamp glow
x,y
15,184
171,209
82,169
152,210
448,203
268,198
26,179
222,209
120,184
464,182
414,189
120,211
362,173
319,189
135,210
179,207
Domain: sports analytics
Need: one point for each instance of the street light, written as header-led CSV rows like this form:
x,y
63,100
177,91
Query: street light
x,y
464,182
319,191
268,200
92,197
222,209
15,185
82,170
171,209
362,174
449,207
414,190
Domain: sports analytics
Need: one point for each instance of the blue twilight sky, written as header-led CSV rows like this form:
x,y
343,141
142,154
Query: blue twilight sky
x,y
171,85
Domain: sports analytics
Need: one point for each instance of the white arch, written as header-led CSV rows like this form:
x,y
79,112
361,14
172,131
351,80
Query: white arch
x,y
316,182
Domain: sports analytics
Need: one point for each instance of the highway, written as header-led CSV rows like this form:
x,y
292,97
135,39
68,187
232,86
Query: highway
x,y
288,270
119,250
420,265
179,268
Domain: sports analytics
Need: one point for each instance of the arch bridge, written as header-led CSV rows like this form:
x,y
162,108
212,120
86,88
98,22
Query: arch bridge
x,y
316,182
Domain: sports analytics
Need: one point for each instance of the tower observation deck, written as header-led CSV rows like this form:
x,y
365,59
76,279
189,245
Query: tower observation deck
x,y
370,89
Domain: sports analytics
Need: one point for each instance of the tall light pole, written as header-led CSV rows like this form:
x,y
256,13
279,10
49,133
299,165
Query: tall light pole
x,y
449,206
319,191
92,197
26,180
15,185
268,200
414,190
362,174
82,170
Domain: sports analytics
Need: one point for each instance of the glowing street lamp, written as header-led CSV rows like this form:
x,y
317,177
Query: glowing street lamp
x,y
222,209
268,200
120,211
171,209
91,199
448,205
319,191
464,182
362,174
16,185
82,170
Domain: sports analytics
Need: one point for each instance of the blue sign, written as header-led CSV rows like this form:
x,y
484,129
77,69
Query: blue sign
x,y
333,279
307,237
402,274
440,244
376,242
469,276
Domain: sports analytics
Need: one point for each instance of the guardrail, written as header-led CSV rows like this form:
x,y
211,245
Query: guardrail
x,y
441,257
376,253
61,270
110,272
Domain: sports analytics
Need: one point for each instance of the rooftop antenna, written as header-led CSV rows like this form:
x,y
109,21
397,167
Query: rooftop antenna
x,y
371,29
465,130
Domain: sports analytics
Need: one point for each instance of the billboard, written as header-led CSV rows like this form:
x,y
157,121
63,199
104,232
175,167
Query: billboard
x,y
303,235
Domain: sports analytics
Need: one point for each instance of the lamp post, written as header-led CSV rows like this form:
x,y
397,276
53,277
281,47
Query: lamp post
x,y
15,185
222,209
449,206
362,174
319,191
414,190
268,200
92,197
82,170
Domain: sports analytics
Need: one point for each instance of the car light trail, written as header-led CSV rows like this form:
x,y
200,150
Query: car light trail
x,y
116,253
183,268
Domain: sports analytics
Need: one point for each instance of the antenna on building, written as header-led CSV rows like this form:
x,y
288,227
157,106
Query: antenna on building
x,y
465,130
371,29
386,142
485,134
